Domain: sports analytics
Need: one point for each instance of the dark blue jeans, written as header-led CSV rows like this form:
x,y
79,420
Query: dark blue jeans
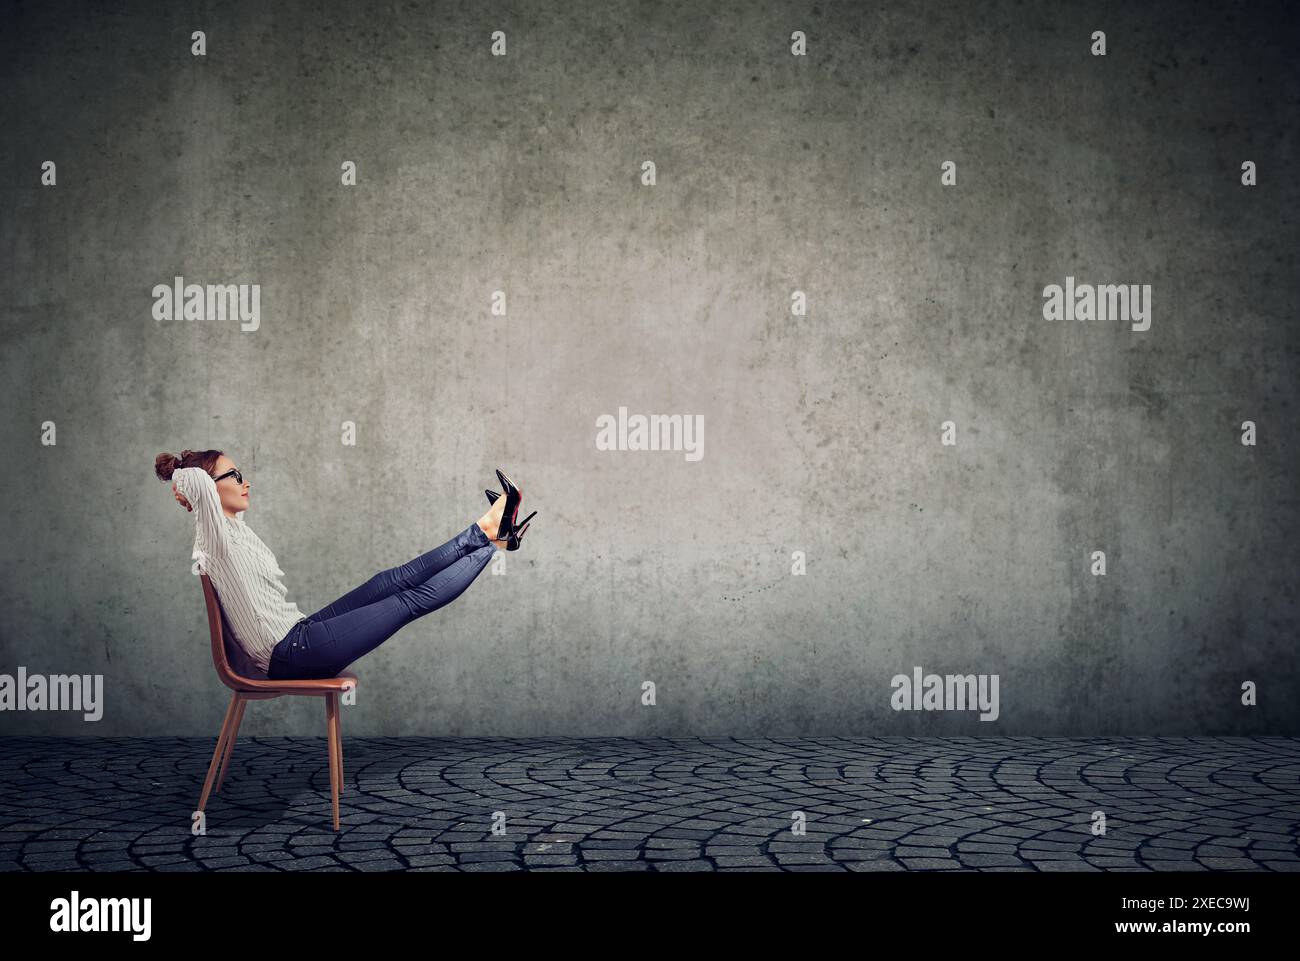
x,y
359,621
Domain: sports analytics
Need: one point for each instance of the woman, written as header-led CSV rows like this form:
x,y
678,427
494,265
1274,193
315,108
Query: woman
x,y
279,638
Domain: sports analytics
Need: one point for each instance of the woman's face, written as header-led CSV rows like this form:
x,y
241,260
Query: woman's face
x,y
234,494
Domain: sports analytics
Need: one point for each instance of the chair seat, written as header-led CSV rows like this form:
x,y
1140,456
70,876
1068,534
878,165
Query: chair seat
x,y
269,688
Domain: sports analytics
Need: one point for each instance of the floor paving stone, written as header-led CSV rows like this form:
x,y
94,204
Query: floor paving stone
x,y
657,804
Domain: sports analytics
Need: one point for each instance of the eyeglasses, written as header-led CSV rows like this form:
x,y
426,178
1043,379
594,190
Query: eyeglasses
x,y
239,478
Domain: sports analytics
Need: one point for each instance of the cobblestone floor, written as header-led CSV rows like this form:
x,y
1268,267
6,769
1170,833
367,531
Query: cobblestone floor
x,y
656,804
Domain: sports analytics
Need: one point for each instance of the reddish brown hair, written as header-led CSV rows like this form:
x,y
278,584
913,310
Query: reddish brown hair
x,y
164,465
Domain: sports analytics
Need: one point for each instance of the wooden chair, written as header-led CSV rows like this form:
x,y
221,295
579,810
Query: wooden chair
x,y
238,673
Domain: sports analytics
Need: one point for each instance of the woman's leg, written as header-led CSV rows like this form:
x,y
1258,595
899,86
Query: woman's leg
x,y
389,582
323,647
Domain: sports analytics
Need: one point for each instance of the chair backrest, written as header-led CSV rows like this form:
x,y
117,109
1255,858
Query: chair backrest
x,y
229,658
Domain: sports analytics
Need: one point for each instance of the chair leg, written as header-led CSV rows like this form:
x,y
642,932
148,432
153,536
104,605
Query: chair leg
x,y
331,727
221,746
338,744
230,741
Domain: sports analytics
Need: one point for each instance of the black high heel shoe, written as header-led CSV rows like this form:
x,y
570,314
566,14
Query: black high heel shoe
x,y
511,545
517,533
510,530
513,497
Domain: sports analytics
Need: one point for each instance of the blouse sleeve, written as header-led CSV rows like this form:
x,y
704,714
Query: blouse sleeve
x,y
211,539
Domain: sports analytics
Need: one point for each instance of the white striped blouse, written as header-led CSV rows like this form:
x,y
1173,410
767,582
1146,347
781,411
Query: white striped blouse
x,y
242,569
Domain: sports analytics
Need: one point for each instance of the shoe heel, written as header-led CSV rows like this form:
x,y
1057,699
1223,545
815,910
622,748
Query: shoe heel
x,y
516,536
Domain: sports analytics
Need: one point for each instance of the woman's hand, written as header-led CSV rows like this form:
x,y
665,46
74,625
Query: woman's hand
x,y
180,498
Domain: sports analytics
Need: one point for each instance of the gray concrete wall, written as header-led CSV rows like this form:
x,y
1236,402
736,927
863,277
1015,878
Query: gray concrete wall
x,y
823,432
